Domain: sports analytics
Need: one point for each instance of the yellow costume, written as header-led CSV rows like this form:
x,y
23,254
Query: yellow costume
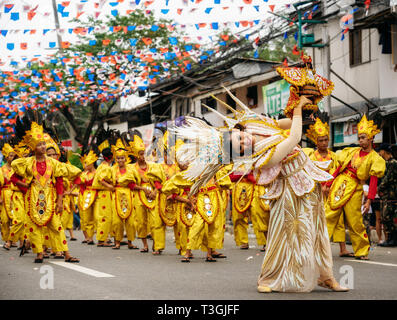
x,y
247,203
339,234
85,203
123,213
7,204
320,129
178,185
103,202
346,194
210,210
40,202
87,196
68,200
355,167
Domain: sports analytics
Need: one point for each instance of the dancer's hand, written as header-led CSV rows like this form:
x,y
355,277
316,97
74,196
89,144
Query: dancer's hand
x,y
59,205
304,100
325,189
367,206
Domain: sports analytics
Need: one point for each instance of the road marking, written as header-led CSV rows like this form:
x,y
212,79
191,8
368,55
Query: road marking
x,y
81,269
372,262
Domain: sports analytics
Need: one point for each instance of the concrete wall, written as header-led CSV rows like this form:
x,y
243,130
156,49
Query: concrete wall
x,y
374,79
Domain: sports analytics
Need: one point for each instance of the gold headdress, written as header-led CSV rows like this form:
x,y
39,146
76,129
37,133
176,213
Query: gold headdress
x,y
50,143
304,81
7,149
119,149
136,146
29,129
367,127
34,136
318,129
21,149
103,139
89,158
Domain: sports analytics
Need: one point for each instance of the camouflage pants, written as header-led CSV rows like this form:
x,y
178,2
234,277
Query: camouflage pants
x,y
389,217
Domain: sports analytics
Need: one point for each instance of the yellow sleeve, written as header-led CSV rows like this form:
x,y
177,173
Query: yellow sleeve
x,y
170,187
72,171
334,165
1,178
378,166
20,167
104,172
58,168
128,177
223,179
156,173
309,152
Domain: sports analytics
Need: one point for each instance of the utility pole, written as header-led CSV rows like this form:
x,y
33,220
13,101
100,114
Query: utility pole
x,y
326,60
54,7
72,133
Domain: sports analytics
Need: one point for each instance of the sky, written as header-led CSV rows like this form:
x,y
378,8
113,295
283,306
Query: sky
x,y
186,13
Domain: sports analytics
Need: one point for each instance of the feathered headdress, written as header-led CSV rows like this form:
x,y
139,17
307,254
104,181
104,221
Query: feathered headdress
x,y
30,128
304,81
119,147
367,127
103,139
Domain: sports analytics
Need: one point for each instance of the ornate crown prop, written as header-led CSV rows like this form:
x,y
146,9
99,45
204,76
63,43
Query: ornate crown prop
x,y
304,81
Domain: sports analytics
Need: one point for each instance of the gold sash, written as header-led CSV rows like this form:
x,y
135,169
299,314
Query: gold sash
x,y
87,199
167,210
342,190
185,214
243,193
150,204
208,205
123,202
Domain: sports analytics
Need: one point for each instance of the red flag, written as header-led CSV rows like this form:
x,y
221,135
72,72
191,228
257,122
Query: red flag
x,y
271,6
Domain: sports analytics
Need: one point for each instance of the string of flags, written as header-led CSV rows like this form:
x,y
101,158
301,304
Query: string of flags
x,y
64,9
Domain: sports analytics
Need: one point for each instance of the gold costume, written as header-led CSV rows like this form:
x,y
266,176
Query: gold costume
x,y
103,202
68,200
40,202
180,186
146,210
247,203
209,219
346,194
123,213
85,203
167,209
339,234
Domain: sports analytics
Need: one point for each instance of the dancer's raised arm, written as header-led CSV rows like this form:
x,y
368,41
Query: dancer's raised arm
x,y
285,147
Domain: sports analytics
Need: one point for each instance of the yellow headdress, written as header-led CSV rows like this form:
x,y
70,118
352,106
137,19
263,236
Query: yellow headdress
x,y
50,143
89,158
21,149
136,146
119,149
367,127
34,135
318,129
7,149
304,81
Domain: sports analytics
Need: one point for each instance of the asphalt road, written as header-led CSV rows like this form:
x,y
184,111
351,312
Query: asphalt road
x,y
130,275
